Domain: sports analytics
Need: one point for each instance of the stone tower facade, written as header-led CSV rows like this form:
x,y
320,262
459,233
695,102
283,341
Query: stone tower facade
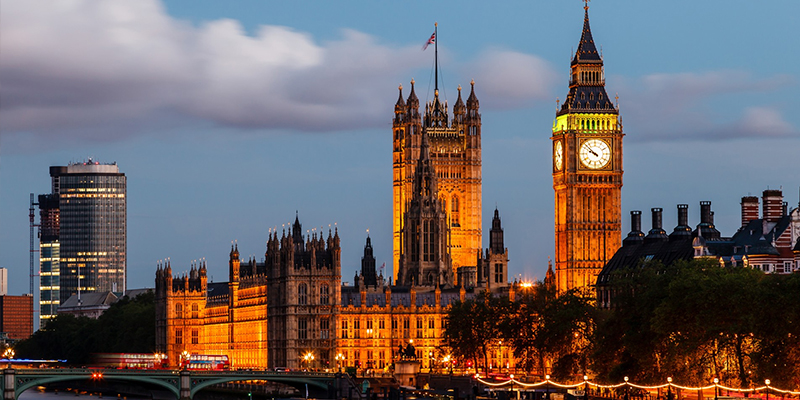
x,y
493,268
455,153
587,171
425,240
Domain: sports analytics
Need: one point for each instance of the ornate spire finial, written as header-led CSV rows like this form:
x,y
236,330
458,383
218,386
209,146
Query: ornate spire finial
x,y
472,82
459,88
400,87
412,81
586,7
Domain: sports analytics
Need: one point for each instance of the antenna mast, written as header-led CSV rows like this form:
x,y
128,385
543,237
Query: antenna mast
x,y
436,53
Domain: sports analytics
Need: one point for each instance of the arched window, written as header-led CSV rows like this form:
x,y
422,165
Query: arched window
x,y
302,294
179,310
323,294
195,310
454,212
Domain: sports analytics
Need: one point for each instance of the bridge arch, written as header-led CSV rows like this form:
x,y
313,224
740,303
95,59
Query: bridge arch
x,y
198,386
33,381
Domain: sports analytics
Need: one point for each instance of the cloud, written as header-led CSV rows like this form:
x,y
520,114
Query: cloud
x,y
109,70
510,79
697,106
83,66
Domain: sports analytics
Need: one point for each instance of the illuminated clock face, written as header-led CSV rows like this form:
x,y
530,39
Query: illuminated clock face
x,y
595,153
558,155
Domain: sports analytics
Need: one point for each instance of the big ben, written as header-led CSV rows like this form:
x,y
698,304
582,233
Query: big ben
x,y
587,171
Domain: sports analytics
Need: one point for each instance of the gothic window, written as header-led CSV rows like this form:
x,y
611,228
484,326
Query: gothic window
x,y
179,310
323,294
406,328
454,208
394,323
194,310
357,329
419,328
302,294
430,323
195,336
179,336
498,273
381,324
302,328
344,329
414,241
324,327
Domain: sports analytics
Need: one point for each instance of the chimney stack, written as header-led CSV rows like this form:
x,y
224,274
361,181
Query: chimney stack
x,y
705,213
772,203
636,235
657,233
749,209
683,230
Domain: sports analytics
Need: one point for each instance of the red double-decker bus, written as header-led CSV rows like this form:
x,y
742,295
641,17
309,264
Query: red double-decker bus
x,y
207,362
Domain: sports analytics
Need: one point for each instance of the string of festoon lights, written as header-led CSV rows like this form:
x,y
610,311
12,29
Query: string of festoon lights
x,y
586,382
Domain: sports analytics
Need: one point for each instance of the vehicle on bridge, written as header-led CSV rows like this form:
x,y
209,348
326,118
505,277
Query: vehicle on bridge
x,y
206,362
131,360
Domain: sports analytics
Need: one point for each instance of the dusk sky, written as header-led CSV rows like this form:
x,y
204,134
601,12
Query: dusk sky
x,y
227,117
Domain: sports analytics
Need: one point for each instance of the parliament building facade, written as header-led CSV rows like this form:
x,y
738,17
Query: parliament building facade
x,y
291,310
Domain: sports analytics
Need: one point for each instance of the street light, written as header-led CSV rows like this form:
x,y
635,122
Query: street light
x,y
767,382
308,357
546,386
8,355
626,388
716,387
339,359
669,388
185,357
585,387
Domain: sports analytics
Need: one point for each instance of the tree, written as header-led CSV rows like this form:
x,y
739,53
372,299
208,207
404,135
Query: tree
x,y
473,327
128,326
548,328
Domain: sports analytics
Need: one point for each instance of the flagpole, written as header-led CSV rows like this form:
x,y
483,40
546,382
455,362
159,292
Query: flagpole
x,y
436,55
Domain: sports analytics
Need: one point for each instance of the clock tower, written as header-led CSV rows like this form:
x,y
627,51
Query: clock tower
x,y
587,171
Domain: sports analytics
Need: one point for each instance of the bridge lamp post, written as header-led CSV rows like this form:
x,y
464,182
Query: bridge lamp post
x,y
8,355
185,356
669,388
308,357
339,359
626,388
716,388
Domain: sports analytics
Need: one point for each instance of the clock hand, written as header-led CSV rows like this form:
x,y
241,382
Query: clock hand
x,y
592,151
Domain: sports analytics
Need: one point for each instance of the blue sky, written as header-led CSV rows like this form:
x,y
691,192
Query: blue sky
x,y
229,116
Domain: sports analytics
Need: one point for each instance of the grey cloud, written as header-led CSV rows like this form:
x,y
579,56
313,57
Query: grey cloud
x,y
680,106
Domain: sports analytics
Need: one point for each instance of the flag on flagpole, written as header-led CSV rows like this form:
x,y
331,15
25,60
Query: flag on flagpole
x,y
430,41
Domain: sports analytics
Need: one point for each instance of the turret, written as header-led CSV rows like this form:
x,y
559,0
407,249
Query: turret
x,y
233,263
368,265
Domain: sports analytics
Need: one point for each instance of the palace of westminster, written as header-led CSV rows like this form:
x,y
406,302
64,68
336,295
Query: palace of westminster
x,y
291,309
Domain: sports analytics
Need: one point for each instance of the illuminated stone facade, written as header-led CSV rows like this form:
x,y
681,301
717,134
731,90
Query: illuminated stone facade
x,y
270,313
281,311
587,171
455,152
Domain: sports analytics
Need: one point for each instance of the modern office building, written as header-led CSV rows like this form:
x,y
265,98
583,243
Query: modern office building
x,y
16,316
83,233
49,258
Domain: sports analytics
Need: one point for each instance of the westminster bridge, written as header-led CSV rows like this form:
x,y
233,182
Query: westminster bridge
x,y
183,384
